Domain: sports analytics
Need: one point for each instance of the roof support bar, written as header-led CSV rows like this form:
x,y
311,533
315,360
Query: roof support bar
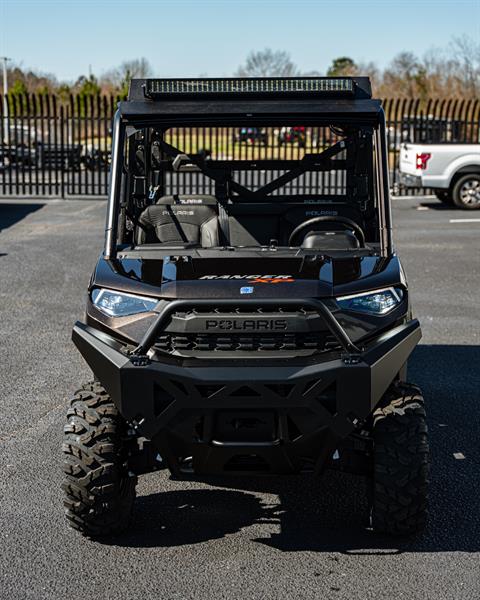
x,y
308,162
118,138
383,188
220,176
303,167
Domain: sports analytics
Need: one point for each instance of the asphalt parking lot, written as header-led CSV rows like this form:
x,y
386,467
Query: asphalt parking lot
x,y
265,538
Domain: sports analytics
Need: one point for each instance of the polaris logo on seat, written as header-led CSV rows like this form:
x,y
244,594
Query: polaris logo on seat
x,y
246,324
178,212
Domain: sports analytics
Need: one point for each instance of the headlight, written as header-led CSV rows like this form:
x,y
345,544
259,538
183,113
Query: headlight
x,y
120,304
379,302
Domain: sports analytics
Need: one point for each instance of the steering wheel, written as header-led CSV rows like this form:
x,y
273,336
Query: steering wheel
x,y
344,221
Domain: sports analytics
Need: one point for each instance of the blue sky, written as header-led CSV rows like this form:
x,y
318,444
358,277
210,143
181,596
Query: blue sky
x,y
187,38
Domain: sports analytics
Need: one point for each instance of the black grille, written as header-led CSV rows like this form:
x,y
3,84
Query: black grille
x,y
194,343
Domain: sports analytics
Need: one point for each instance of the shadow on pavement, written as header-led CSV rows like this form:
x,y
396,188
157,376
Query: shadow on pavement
x,y
438,205
13,213
330,514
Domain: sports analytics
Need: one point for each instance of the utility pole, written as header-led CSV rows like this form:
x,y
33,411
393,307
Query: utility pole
x,y
4,60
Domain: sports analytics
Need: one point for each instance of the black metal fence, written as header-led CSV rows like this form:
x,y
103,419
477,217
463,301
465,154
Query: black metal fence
x,y
52,146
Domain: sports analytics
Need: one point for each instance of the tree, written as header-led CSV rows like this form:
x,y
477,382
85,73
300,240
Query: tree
x,y
19,87
342,66
87,86
22,81
63,92
268,63
403,75
466,53
119,78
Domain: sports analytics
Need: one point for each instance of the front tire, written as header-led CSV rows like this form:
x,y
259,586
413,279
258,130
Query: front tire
x,y
466,192
401,462
99,491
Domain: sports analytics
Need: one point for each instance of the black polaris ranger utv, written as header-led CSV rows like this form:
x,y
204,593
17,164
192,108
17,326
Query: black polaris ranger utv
x,y
260,327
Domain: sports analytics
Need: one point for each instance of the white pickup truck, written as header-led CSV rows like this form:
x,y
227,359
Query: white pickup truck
x,y
452,171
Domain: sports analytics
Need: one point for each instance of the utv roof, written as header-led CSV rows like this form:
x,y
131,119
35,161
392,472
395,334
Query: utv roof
x,y
272,99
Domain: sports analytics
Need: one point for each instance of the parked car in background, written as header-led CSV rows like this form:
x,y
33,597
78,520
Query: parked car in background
x,y
18,154
251,135
292,135
452,171
17,134
96,159
18,145
57,157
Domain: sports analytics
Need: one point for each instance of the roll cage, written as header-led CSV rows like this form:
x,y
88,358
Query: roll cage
x,y
157,105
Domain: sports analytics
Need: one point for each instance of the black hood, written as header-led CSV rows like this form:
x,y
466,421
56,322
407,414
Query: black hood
x,y
234,276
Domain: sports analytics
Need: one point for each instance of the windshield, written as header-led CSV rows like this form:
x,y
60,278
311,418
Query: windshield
x,y
207,187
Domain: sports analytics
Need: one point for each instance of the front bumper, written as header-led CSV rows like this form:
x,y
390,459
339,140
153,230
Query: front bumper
x,y
286,416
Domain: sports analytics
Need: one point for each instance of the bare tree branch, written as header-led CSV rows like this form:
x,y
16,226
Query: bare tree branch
x,y
268,63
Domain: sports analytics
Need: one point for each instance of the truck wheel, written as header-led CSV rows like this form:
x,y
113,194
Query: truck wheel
x,y
401,462
466,192
99,491
444,196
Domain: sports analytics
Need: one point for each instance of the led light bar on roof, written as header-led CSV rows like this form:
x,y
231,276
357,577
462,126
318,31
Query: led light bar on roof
x,y
251,86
